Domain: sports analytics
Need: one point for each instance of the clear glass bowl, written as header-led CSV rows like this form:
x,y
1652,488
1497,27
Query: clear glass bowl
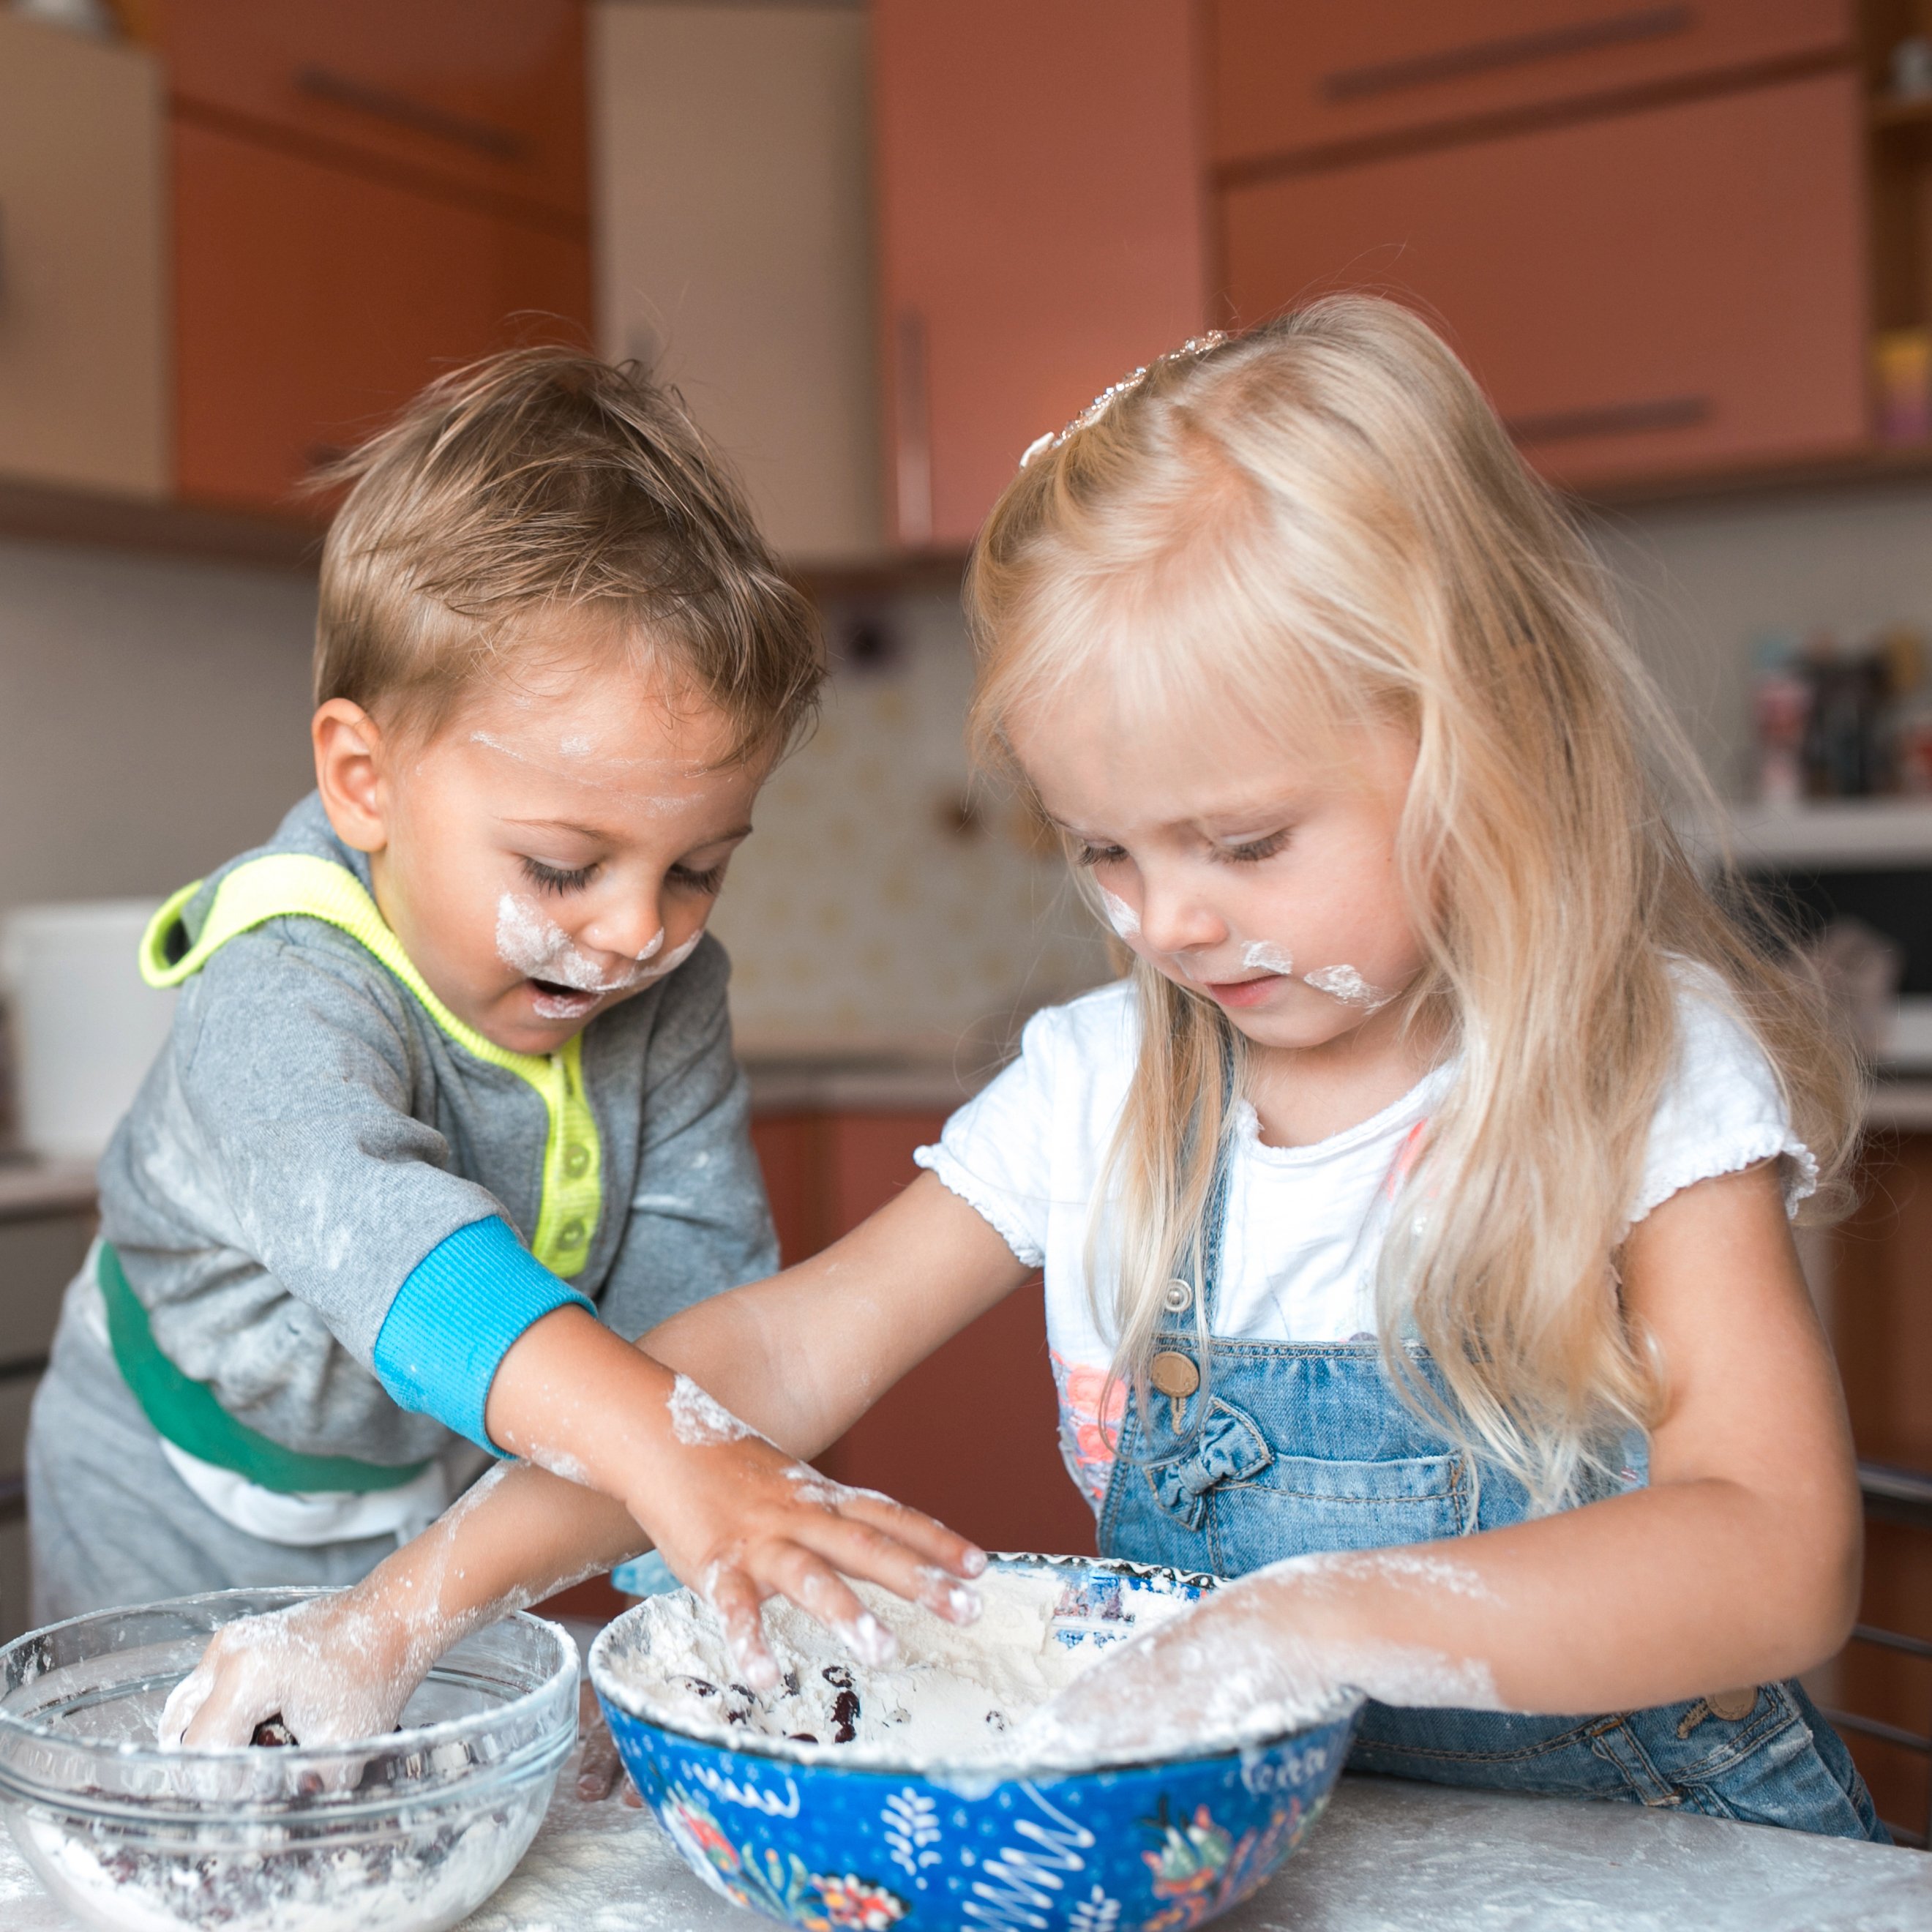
x,y
410,1833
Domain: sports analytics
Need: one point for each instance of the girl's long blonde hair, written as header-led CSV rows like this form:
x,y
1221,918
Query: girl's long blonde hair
x,y
1323,524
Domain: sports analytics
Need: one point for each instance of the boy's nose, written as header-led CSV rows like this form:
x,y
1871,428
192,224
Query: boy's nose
x,y
635,930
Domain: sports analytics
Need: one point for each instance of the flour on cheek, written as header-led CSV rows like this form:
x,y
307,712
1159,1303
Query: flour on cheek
x,y
1346,984
1120,916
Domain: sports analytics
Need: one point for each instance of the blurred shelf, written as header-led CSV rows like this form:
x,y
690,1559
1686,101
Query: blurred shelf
x,y
31,1189
1903,1105
1873,466
49,513
1875,832
1887,112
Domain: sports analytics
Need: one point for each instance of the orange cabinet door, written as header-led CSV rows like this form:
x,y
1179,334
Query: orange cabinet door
x,y
310,302
1040,226
490,98
1676,289
1284,78
971,1435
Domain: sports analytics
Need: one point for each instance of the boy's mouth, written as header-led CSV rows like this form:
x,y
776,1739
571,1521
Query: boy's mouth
x,y
554,1001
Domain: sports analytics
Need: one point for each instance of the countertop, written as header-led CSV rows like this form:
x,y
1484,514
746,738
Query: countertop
x,y
1389,1855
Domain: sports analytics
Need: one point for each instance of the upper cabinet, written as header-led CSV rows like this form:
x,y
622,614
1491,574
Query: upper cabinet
x,y
1678,287
1040,209
366,192
485,98
1287,80
83,337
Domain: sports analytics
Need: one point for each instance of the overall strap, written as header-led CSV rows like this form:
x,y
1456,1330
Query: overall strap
x,y
298,885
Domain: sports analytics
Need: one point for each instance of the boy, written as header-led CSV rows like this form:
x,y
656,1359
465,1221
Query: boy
x,y
461,1001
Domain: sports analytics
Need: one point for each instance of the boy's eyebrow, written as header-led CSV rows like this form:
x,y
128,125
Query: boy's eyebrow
x,y
597,832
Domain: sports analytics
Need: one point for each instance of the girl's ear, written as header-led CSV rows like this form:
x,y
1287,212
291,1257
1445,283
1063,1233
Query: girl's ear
x,y
348,774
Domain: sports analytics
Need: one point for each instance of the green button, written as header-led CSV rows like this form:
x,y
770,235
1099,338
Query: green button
x,y
576,1160
571,1235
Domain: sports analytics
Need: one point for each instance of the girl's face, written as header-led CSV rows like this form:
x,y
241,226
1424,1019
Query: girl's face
x,y
1265,881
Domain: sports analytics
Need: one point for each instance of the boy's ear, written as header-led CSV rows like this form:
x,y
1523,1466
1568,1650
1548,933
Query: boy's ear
x,y
348,774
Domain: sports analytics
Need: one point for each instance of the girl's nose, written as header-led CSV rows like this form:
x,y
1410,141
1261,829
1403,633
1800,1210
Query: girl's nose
x,y
1175,921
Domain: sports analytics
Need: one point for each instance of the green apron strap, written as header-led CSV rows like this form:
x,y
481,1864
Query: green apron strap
x,y
284,885
186,1413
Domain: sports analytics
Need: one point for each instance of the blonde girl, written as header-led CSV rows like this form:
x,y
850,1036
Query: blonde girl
x,y
1414,1213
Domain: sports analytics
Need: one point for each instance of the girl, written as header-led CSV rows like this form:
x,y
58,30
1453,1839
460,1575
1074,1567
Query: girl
x,y
1414,1216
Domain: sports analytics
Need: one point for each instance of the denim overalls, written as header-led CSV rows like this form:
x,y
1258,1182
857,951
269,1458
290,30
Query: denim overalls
x,y
1305,1447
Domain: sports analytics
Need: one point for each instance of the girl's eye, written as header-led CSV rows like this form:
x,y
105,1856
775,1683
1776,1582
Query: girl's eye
x,y
1098,855
705,883
1254,849
555,879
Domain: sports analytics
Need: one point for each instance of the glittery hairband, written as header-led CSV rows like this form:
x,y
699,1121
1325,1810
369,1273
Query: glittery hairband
x,y
1195,345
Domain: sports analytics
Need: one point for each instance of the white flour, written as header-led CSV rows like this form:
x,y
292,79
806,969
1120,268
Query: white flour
x,y
698,1419
431,1876
950,1696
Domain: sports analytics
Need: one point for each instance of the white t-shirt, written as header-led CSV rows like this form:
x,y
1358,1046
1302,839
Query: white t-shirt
x,y
1304,1225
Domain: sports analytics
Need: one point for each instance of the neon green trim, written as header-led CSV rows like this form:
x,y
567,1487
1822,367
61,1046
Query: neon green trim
x,y
187,1413
287,885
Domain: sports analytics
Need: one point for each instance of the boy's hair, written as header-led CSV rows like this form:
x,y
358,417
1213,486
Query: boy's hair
x,y
542,480
1322,525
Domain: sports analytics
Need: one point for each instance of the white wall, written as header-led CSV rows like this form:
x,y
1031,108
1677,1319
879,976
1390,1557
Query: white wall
x,y
1703,580
153,717
734,195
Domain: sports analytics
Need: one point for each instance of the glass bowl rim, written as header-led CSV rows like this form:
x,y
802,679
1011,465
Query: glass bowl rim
x,y
1341,1708
444,1731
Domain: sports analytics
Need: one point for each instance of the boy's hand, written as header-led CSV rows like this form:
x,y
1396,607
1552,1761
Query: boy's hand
x,y
738,1520
334,1672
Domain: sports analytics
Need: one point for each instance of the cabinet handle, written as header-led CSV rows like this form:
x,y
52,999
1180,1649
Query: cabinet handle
x,y
913,412
401,110
1610,419
1614,30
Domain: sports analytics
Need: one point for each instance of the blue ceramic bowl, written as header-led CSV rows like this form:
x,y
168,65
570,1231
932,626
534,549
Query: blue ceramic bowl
x,y
1149,1847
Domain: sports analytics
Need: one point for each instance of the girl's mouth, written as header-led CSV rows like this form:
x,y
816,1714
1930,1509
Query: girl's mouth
x,y
1242,992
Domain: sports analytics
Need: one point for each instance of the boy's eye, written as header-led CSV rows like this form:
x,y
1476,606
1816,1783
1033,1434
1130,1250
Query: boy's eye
x,y
554,879
1098,855
1256,849
705,883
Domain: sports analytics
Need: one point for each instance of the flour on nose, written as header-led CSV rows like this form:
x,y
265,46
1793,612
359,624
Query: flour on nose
x,y
530,942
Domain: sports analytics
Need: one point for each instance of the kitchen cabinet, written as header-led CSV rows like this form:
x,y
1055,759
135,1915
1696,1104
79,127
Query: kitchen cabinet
x,y
1679,288
1882,1328
1285,80
486,99
1039,198
735,249
971,1435
311,301
83,336
366,193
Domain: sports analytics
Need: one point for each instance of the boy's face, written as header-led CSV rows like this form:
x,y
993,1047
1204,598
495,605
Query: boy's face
x,y
555,847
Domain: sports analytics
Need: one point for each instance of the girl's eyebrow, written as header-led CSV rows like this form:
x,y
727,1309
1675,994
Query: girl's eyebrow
x,y
599,835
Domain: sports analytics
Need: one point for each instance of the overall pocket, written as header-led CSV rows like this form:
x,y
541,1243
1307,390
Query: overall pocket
x,y
1296,1505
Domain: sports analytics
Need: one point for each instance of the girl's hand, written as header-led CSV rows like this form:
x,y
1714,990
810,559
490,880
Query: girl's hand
x,y
1285,1647
332,1669
738,1520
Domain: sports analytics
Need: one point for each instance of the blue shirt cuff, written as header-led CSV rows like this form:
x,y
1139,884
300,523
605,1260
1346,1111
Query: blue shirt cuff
x,y
463,1308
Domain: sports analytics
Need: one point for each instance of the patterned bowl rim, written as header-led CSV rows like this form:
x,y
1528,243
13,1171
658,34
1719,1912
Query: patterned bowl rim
x,y
973,1773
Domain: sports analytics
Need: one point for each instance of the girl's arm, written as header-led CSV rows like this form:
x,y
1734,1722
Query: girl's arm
x,y
800,1357
1737,1565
